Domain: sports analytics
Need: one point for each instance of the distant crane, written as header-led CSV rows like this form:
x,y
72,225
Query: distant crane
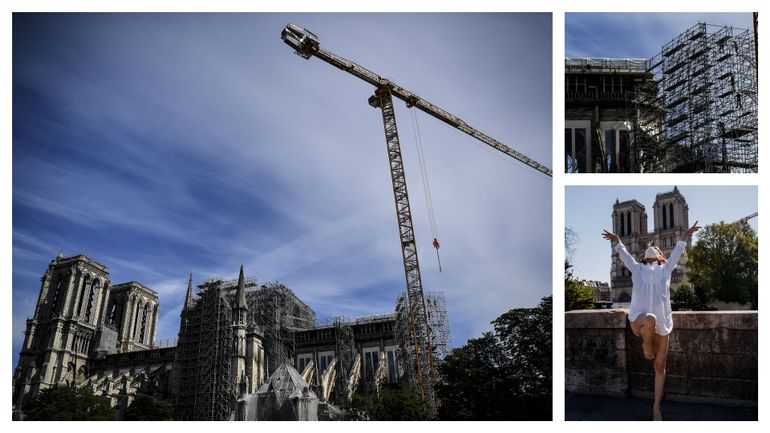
x,y
306,45
746,219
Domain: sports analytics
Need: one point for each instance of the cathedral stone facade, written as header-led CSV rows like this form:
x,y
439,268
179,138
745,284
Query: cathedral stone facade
x,y
80,320
629,221
233,336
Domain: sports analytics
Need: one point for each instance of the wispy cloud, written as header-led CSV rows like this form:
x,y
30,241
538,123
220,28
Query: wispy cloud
x,y
171,144
640,35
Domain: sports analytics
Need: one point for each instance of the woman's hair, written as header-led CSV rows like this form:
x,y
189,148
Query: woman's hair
x,y
661,256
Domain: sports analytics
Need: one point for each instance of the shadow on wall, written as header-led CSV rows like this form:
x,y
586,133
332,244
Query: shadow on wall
x,y
712,357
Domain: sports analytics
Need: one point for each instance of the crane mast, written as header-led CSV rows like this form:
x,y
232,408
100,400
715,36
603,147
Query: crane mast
x,y
420,355
418,351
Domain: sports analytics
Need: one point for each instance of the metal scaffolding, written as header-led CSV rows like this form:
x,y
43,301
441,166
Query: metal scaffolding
x,y
202,364
441,339
345,347
278,311
204,387
699,111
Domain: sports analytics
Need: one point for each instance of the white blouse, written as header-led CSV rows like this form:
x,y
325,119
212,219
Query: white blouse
x,y
651,287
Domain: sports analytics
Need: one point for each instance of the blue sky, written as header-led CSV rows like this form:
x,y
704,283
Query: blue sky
x,y
707,205
162,145
641,35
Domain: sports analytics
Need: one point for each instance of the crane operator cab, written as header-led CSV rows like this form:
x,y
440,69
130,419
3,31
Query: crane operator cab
x,y
304,42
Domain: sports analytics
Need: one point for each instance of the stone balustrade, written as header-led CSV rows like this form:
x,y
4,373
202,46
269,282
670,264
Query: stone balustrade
x,y
712,357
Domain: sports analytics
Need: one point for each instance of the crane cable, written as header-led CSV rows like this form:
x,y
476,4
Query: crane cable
x,y
425,184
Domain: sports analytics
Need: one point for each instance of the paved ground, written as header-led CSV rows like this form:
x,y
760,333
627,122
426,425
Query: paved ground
x,y
579,407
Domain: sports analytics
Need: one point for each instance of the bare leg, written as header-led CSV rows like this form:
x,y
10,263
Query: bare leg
x,y
644,326
660,345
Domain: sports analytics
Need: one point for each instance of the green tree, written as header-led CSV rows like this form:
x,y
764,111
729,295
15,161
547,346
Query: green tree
x,y
395,403
576,295
723,264
146,408
503,375
64,403
684,298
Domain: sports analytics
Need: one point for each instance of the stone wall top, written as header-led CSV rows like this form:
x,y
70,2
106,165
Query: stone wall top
x,y
617,318
592,319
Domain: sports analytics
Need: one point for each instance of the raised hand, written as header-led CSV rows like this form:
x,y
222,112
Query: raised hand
x,y
695,227
610,236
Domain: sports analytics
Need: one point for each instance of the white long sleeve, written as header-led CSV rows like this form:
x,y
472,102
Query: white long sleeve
x,y
625,257
673,259
651,287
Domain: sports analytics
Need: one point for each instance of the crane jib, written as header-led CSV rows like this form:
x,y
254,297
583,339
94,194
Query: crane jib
x,y
311,48
420,366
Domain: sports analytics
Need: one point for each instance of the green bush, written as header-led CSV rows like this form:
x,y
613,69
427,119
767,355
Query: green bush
x,y
64,403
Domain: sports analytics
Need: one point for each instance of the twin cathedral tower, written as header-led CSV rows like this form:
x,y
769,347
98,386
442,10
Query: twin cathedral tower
x,y
629,221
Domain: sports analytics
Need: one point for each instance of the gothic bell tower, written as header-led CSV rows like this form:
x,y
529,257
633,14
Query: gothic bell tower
x,y
671,215
64,328
629,221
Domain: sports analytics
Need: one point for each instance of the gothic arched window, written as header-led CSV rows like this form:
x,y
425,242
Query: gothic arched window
x,y
622,225
56,293
136,319
81,294
628,222
112,315
671,214
119,315
92,292
144,323
664,217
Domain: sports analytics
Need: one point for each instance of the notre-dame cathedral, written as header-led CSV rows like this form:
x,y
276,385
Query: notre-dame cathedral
x,y
629,221
81,320
238,343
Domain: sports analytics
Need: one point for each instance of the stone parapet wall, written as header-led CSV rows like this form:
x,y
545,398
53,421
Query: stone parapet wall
x,y
712,357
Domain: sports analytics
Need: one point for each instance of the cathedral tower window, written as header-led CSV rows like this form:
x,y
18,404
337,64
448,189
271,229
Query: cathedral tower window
x,y
622,225
144,323
56,293
628,222
664,217
671,214
92,292
136,321
111,317
81,294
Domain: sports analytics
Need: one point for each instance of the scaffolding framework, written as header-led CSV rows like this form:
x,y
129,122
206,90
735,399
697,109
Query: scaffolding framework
x,y
441,339
203,359
698,113
346,353
204,387
279,313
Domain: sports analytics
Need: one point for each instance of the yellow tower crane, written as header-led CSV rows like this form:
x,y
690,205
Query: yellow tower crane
x,y
420,361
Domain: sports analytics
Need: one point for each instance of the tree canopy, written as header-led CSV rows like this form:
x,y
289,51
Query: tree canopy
x,y
723,264
146,408
576,295
64,403
684,298
503,375
395,403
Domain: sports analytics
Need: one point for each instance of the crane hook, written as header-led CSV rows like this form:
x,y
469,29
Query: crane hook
x,y
437,245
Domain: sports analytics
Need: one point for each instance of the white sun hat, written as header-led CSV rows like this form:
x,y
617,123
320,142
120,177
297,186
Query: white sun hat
x,y
651,253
